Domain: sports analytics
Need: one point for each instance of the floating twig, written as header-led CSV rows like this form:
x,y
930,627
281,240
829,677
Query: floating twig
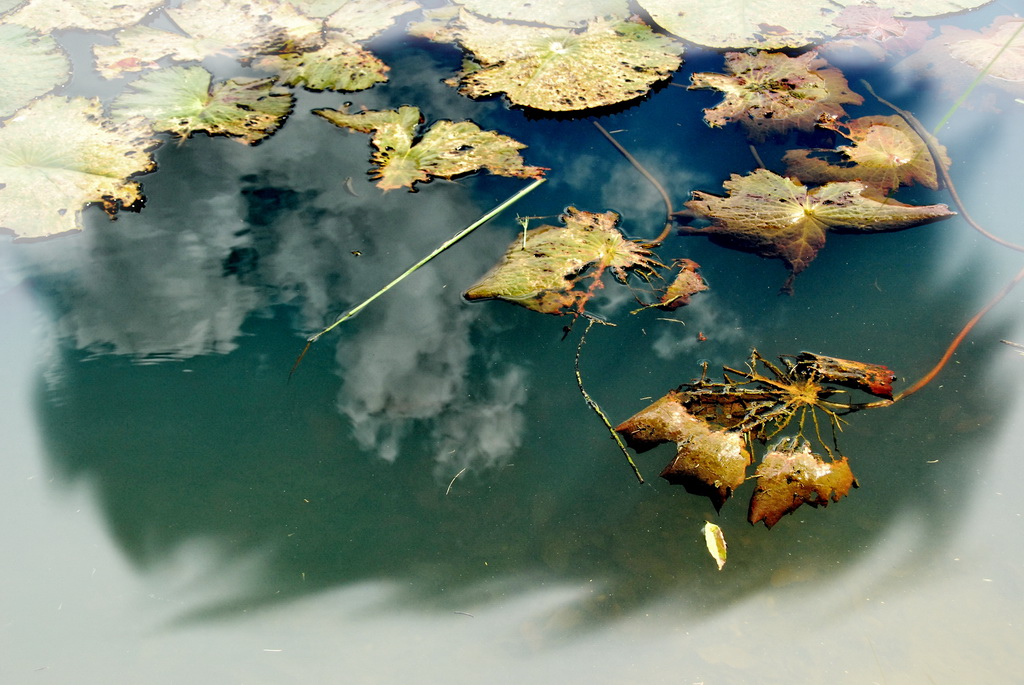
x,y
594,406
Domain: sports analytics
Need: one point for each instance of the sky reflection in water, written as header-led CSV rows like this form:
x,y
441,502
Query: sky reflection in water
x,y
202,516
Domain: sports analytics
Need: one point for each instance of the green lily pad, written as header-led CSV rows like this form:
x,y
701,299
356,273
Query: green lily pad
x,y
182,101
770,24
557,69
448,149
339,65
244,29
92,15
543,272
34,65
59,155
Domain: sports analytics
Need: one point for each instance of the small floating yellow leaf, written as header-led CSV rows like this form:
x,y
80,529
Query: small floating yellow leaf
x,y
715,540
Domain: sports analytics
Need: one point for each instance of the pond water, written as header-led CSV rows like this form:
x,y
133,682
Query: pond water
x,y
429,499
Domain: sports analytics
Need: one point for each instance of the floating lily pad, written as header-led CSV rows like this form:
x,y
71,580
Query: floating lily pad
x,y
770,92
565,14
447,149
770,24
557,69
33,65
886,153
791,475
59,155
776,217
339,65
544,271
1002,42
360,20
182,101
91,15
244,29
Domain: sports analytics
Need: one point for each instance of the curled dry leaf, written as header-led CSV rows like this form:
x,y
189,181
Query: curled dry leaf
x,y
686,283
791,475
447,149
714,539
770,92
776,217
886,153
544,273
556,69
874,379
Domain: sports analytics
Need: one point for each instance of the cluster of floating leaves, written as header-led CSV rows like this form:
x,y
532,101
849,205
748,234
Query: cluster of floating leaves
x,y
714,425
563,57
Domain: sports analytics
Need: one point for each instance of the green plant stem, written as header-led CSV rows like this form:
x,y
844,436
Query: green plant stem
x,y
441,248
597,409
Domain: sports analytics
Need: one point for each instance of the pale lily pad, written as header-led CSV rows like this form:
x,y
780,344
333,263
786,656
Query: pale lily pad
x,y
565,14
544,270
244,29
771,24
558,69
8,5
1004,38
360,20
770,92
92,15
33,65
448,149
181,100
59,155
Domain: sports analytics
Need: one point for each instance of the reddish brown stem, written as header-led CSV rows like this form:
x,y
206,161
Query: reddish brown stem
x,y
960,337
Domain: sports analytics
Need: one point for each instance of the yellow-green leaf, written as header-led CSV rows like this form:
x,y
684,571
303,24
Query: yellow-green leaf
x,y
558,69
447,149
714,538
543,271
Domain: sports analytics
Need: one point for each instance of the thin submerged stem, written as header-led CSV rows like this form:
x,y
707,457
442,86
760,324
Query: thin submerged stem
x,y
596,408
650,177
441,248
943,173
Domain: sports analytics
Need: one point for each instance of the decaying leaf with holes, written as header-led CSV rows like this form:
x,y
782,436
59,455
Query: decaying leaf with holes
x,y
556,69
791,475
447,149
886,153
545,271
770,93
714,425
58,155
182,100
777,217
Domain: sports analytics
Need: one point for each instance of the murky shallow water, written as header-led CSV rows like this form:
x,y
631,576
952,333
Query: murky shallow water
x,y
177,511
